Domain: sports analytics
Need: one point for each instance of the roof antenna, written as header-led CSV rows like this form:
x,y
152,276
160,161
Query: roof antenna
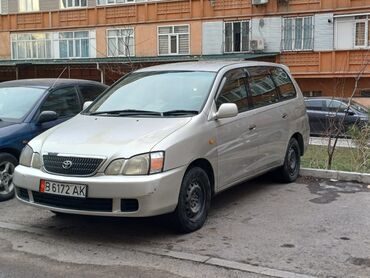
x,y
56,80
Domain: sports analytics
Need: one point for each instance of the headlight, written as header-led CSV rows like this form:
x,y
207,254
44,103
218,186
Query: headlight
x,y
29,158
36,161
144,164
26,156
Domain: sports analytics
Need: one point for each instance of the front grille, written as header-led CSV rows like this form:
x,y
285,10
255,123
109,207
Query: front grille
x,y
22,193
80,166
66,202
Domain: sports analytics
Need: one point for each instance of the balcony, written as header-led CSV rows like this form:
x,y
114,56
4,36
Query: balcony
x,y
333,64
165,11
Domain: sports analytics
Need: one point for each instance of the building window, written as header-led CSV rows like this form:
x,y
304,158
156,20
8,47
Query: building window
x,y
120,42
173,40
362,32
113,2
31,46
28,6
236,36
66,4
74,44
298,33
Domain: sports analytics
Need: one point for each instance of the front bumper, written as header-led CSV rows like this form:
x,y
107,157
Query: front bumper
x,y
155,194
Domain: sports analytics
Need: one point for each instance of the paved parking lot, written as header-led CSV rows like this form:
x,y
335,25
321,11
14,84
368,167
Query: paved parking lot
x,y
257,229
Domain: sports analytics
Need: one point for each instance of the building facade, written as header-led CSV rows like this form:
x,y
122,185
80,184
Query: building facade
x,y
325,43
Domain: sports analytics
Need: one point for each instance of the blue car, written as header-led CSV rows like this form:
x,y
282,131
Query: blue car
x,y
30,107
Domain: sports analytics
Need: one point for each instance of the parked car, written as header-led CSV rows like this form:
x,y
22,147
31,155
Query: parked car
x,y
28,108
166,139
327,114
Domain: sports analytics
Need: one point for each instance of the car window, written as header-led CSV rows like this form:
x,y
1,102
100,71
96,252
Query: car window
x,y
63,101
283,83
263,90
315,104
336,106
158,91
90,92
234,90
17,102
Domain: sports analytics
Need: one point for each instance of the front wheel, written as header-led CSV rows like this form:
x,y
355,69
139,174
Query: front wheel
x,y
7,166
194,201
290,170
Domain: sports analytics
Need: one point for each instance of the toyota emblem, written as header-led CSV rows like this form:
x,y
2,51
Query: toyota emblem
x,y
67,164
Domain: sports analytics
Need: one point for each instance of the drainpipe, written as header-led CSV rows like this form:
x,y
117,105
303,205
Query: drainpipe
x,y
101,73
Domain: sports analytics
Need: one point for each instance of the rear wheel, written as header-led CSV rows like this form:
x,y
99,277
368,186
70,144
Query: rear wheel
x,y
194,201
290,170
7,166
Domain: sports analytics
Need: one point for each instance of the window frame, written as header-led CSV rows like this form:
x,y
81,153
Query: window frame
x,y
115,3
169,35
293,43
132,53
27,5
74,39
241,35
30,41
61,6
366,21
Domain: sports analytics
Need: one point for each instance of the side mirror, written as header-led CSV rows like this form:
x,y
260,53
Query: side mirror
x,y
227,110
351,113
86,104
47,116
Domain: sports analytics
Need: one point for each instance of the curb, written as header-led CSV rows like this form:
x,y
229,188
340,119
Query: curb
x,y
338,175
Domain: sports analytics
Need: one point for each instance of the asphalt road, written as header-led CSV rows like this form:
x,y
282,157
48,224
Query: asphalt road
x,y
257,229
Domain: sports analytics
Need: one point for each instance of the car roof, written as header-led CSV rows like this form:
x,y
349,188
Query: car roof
x,y
326,98
211,66
48,83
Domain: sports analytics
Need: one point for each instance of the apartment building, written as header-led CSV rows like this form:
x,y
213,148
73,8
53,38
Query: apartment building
x,y
325,43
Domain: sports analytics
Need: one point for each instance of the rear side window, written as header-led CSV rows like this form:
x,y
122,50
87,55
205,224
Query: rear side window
x,y
63,101
234,90
315,105
283,83
262,87
336,106
89,92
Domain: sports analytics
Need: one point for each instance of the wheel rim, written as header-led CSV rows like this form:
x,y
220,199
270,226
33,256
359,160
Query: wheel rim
x,y
195,200
292,161
6,177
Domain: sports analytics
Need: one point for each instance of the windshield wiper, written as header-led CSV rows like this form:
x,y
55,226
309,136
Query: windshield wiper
x,y
127,112
180,112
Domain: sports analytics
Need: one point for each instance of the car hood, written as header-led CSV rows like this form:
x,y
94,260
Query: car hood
x,y
107,136
4,124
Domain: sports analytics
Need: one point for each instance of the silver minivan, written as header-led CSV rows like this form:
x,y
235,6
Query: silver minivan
x,y
166,139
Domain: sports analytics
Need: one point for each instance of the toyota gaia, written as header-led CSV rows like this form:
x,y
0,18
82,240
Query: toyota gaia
x,y
166,139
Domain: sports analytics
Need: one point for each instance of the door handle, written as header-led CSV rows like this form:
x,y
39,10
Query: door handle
x,y
284,116
252,127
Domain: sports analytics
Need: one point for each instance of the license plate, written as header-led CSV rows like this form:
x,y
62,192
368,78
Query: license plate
x,y
64,189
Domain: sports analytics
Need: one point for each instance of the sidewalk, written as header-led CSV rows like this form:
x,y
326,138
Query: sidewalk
x,y
322,141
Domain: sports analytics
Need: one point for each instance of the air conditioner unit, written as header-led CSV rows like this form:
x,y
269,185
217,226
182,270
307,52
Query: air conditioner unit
x,y
259,2
257,44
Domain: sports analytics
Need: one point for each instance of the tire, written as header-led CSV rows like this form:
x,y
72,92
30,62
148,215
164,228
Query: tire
x,y
7,165
194,201
290,170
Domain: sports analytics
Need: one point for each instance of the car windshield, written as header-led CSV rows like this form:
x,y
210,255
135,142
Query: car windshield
x,y
161,93
360,108
16,102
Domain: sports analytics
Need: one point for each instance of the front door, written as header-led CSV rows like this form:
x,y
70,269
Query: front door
x,y
237,138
